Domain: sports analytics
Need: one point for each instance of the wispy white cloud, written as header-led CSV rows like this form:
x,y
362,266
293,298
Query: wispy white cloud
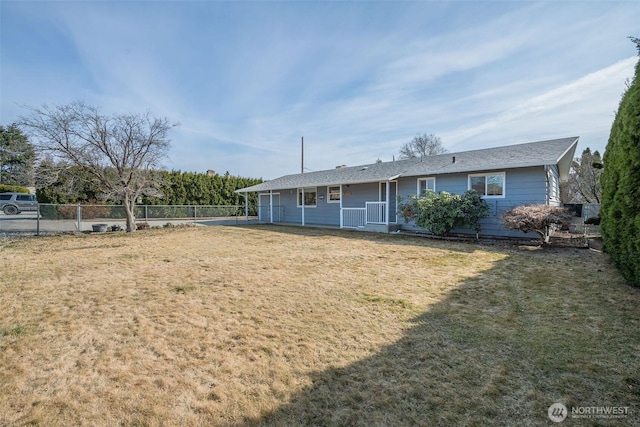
x,y
554,111
247,80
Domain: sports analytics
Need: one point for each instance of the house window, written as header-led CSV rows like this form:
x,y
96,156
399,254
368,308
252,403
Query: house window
x,y
310,197
334,194
488,184
425,184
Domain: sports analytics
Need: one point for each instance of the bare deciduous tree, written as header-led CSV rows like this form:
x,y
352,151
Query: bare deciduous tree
x,y
122,152
421,146
583,185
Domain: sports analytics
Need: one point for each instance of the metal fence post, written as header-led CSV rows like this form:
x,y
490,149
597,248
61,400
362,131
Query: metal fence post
x,y
38,221
79,216
195,215
146,213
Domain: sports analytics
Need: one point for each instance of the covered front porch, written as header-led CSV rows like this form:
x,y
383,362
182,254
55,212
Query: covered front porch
x,y
350,212
373,217
367,206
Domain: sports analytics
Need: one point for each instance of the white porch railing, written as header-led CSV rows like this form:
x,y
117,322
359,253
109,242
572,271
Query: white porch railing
x,y
372,213
376,212
353,217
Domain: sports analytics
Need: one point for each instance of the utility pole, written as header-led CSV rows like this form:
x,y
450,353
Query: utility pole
x,y
302,172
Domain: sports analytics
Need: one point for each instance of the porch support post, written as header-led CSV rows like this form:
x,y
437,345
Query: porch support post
x,y
386,205
341,219
271,206
246,206
302,205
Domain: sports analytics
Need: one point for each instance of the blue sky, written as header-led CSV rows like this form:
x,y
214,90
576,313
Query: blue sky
x,y
247,80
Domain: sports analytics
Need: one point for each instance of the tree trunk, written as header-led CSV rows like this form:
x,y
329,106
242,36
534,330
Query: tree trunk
x,y
544,237
129,207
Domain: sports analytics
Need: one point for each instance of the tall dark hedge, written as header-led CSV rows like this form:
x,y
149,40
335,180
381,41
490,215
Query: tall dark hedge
x,y
178,188
189,188
620,211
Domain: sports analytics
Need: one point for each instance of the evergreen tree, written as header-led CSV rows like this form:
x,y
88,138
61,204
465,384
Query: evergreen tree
x,y
620,210
69,184
17,157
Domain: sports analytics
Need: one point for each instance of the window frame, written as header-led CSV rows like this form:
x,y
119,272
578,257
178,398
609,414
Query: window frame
x,y
329,200
307,190
486,184
426,180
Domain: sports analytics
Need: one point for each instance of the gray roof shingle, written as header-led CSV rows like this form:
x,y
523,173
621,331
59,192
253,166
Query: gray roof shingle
x,y
551,152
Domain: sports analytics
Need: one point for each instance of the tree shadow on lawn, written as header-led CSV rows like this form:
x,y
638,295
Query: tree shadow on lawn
x,y
499,350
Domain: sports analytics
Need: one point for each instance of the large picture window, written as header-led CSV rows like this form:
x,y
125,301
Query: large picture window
x,y
310,197
488,184
425,184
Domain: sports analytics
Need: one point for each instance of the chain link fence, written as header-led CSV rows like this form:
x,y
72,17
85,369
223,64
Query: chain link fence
x,y
59,218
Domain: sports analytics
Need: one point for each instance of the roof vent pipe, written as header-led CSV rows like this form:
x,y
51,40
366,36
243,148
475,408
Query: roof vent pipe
x,y
454,159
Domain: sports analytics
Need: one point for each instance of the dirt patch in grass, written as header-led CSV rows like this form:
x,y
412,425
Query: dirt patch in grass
x,y
291,326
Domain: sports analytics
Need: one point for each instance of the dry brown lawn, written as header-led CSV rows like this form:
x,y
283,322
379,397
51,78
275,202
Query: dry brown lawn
x,y
289,326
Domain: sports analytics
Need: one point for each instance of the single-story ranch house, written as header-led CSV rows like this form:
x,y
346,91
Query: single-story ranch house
x,y
365,197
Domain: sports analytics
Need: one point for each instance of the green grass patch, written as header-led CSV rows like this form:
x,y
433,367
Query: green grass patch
x,y
183,289
393,302
13,331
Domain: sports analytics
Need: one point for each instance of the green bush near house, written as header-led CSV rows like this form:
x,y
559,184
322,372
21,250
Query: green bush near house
x,y
442,212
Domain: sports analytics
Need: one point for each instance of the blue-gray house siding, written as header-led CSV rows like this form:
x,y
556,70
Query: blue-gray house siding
x,y
324,213
523,186
368,194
